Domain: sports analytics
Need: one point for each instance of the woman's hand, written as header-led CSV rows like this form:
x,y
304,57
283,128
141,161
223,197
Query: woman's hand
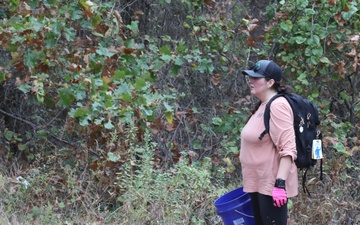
x,y
279,196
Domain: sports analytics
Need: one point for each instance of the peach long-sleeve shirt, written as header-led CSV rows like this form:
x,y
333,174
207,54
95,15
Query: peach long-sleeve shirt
x,y
260,158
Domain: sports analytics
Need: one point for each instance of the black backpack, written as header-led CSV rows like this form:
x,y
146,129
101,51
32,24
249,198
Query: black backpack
x,y
306,120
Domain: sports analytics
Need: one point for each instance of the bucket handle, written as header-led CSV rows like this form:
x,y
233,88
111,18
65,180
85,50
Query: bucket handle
x,y
244,214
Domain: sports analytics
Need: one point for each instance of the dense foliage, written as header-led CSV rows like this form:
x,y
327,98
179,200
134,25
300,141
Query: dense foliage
x,y
131,111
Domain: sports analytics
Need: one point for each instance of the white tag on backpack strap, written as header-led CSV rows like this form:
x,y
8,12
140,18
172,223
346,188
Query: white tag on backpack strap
x,y
301,129
317,149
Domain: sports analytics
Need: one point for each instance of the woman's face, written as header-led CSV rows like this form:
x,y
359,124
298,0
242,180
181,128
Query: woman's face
x,y
258,86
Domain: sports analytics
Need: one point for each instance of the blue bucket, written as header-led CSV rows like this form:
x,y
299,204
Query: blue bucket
x,y
234,208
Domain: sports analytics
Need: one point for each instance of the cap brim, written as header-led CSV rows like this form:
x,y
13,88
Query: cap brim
x,y
251,73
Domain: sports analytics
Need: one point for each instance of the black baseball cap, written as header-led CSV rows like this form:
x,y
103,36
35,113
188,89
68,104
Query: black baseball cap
x,y
266,69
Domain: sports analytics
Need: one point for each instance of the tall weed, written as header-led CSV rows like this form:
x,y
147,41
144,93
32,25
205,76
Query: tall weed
x,y
183,194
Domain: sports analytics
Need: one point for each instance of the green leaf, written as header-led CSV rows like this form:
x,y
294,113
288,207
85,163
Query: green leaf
x,y
147,76
50,3
15,2
51,40
84,4
148,112
2,77
233,149
98,121
104,51
70,33
126,97
196,144
165,50
314,60
286,25
140,83
325,60
31,58
352,10
30,156
75,14
340,148
120,74
178,61
64,98
169,117
166,58
175,70
35,25
41,133
108,104
16,39
36,211
22,147
121,90
112,157
310,12
80,112
98,82
80,95
12,47
85,121
316,40
56,27
96,20
130,43
315,93
8,135
303,78
168,107
186,25
196,28
300,40
345,96
217,121
317,51
301,3
61,205
290,204
96,106
109,125
133,26
97,34
24,88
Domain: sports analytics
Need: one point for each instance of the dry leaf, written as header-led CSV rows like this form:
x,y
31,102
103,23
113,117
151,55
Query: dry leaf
x,y
252,27
250,41
86,59
332,2
18,81
215,79
118,17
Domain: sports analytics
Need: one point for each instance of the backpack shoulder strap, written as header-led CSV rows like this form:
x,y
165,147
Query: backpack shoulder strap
x,y
267,115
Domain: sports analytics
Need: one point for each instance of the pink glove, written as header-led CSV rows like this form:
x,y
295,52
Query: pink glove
x,y
279,196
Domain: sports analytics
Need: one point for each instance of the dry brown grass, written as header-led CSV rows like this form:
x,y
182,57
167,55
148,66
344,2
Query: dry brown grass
x,y
333,201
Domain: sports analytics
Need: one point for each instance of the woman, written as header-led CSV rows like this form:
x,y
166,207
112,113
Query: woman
x,y
268,168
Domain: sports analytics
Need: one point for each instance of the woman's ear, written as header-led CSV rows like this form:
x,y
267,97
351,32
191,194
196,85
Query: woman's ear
x,y
270,83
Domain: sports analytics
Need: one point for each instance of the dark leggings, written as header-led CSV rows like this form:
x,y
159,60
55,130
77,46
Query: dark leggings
x,y
265,213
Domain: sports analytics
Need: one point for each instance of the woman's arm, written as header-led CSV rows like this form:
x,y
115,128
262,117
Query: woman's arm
x,y
284,167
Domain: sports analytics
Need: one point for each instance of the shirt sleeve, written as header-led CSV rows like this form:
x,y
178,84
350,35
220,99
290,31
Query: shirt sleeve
x,y
282,129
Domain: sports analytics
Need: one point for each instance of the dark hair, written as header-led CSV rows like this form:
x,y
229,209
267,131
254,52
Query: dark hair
x,y
279,87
